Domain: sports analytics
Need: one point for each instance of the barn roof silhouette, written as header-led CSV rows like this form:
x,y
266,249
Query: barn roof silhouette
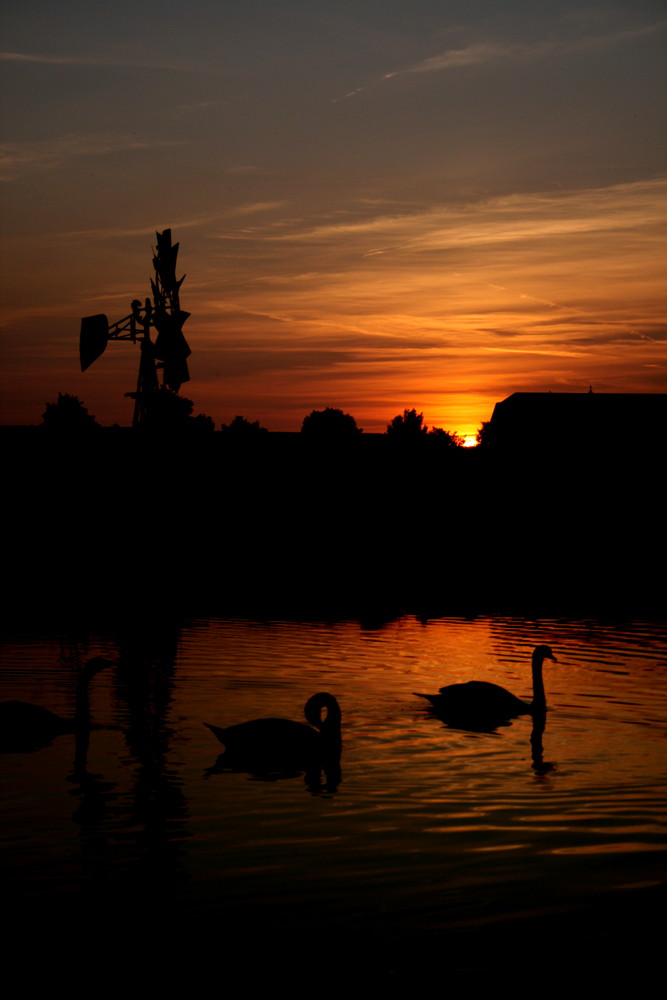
x,y
580,419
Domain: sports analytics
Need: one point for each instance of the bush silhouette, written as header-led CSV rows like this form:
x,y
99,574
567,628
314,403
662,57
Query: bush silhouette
x,y
242,428
68,415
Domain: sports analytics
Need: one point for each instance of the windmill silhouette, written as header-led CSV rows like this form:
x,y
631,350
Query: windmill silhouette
x,y
168,352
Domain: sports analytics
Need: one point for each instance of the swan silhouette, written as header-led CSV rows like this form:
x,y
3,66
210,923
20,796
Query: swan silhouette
x,y
481,704
276,743
25,727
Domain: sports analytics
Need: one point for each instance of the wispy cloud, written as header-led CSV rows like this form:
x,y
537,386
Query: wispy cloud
x,y
46,154
472,55
494,53
248,170
256,207
108,60
49,60
203,221
510,219
523,276
487,53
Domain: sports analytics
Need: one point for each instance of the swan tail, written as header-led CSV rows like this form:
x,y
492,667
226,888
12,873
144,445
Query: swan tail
x,y
217,731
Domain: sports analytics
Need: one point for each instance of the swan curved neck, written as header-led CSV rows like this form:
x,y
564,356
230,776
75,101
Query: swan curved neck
x,y
313,712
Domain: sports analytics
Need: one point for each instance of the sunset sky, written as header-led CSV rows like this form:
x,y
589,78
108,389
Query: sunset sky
x,y
380,204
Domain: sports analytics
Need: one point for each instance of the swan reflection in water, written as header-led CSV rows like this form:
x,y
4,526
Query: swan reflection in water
x,y
270,749
25,727
540,765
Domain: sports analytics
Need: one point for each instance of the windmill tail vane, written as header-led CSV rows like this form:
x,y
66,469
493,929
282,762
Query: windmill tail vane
x,y
168,352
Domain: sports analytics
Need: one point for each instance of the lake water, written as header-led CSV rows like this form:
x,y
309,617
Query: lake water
x,y
437,853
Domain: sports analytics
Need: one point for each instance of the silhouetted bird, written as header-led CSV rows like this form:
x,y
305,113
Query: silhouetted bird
x,y
479,703
283,743
25,727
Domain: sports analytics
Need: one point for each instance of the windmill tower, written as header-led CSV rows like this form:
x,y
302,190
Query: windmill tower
x,y
169,351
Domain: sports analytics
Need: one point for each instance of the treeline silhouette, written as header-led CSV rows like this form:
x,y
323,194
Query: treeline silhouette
x,y
326,524
172,413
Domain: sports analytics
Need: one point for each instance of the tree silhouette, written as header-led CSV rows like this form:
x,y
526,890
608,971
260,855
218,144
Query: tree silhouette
x,y
486,435
202,423
330,424
166,410
243,429
409,426
447,439
68,415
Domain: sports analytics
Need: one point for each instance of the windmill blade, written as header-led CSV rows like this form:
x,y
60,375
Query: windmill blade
x,y
93,339
176,372
170,344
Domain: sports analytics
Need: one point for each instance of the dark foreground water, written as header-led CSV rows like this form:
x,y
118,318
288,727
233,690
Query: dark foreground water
x,y
437,857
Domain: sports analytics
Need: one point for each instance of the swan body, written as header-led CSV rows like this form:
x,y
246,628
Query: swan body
x,y
25,727
485,704
282,742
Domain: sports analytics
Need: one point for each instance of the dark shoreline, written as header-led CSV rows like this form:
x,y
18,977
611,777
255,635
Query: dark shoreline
x,y
278,526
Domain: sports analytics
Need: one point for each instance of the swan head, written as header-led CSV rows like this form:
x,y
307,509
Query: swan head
x,y
542,653
314,708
